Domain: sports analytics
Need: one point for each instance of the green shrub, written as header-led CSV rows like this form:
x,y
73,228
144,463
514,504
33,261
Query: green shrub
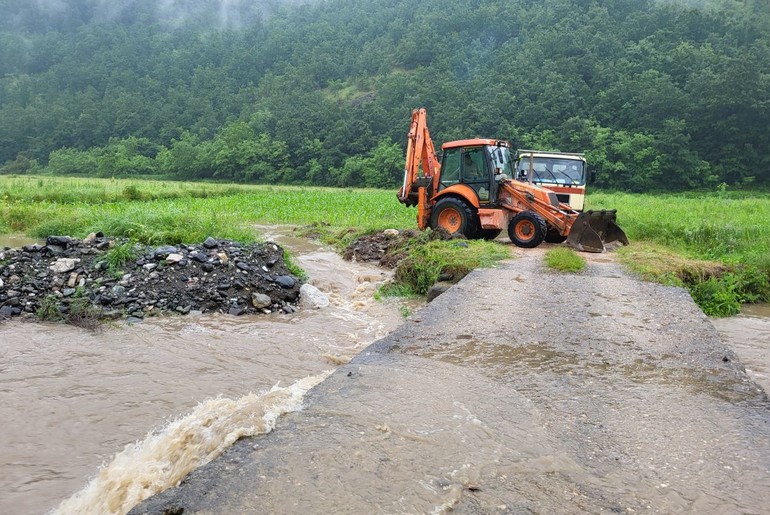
x,y
132,192
118,256
564,260
49,309
754,279
717,296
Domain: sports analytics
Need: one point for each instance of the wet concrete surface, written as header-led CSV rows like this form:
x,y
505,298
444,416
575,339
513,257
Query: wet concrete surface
x,y
520,390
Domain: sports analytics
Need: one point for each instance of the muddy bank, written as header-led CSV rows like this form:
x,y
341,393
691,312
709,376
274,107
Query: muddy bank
x,y
99,277
517,391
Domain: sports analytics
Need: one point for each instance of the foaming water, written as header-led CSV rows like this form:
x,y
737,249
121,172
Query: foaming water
x,y
164,458
71,399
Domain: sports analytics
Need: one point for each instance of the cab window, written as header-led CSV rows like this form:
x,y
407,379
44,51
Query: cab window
x,y
450,168
473,166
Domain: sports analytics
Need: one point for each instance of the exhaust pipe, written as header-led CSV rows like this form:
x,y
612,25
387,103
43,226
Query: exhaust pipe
x,y
596,231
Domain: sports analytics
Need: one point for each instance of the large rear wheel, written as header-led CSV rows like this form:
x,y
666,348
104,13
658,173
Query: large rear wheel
x,y
455,217
527,229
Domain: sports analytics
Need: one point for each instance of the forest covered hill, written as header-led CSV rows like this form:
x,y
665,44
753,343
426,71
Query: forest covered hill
x,y
660,95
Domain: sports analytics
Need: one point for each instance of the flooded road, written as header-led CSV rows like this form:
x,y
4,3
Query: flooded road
x,y
614,396
70,399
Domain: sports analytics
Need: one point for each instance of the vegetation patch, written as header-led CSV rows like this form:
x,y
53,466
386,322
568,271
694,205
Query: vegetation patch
x,y
293,267
422,258
118,256
564,260
95,190
81,312
190,217
654,262
78,310
704,236
707,225
48,311
718,288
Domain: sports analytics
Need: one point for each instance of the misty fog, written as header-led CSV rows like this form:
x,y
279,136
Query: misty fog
x,y
65,15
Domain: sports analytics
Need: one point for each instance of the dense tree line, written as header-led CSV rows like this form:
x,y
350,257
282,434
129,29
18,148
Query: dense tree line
x,y
660,95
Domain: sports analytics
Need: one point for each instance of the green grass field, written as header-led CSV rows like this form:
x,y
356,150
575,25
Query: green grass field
x,y
170,212
731,228
717,243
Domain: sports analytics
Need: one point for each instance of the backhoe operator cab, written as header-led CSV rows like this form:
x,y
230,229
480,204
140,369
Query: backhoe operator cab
x,y
479,164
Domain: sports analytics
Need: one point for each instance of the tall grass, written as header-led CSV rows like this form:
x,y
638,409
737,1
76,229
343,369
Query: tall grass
x,y
711,225
181,214
71,190
727,226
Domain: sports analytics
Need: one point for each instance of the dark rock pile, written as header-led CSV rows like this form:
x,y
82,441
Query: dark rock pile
x,y
385,248
116,279
388,248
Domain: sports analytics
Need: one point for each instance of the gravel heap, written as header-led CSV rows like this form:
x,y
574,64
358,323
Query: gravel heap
x,y
50,281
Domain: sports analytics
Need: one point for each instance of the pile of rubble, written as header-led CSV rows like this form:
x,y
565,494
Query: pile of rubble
x,y
116,278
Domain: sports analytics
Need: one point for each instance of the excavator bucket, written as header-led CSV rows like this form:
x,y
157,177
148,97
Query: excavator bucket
x,y
596,231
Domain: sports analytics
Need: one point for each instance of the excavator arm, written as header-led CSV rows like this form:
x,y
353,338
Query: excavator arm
x,y
421,172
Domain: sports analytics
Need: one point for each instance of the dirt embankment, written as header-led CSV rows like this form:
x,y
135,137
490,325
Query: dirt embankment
x,y
99,277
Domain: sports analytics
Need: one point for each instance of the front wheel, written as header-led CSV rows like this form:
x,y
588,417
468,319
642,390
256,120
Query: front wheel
x,y
455,217
527,229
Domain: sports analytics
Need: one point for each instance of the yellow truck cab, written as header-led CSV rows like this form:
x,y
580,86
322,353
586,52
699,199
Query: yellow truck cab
x,y
563,173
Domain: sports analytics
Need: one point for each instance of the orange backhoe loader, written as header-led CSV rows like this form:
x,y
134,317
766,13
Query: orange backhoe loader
x,y
470,192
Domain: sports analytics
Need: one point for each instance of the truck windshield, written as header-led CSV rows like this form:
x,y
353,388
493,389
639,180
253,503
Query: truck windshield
x,y
501,159
547,170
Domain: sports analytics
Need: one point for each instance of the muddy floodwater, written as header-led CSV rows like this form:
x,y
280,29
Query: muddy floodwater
x,y
749,336
70,400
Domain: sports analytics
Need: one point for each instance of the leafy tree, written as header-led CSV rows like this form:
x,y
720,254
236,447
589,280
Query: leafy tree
x,y
70,161
238,154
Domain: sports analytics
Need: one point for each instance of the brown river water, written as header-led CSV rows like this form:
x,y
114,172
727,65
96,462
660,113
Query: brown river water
x,y
93,422
70,399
